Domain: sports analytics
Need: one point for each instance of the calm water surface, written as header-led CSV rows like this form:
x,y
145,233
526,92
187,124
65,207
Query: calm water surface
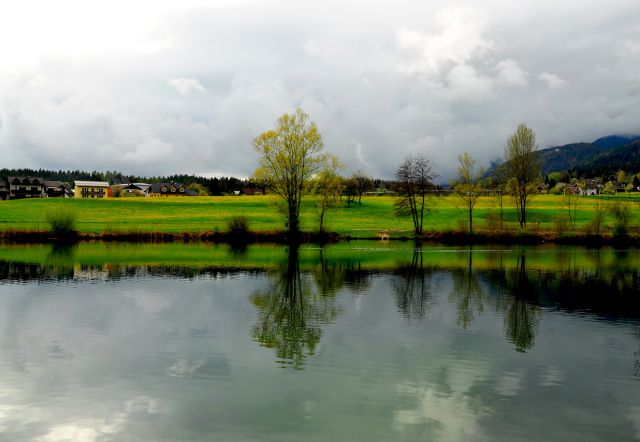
x,y
376,344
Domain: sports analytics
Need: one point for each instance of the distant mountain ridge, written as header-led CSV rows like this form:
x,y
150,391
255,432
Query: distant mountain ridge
x,y
602,157
616,140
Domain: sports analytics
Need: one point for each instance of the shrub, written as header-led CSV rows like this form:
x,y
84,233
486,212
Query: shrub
x,y
462,226
561,224
596,225
622,215
238,226
62,222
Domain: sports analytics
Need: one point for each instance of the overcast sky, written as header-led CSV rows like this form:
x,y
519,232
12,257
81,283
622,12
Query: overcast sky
x,y
159,87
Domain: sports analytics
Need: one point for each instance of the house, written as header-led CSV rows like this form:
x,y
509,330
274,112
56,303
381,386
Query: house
x,y
619,186
92,189
170,189
591,187
23,187
142,189
55,189
4,189
572,189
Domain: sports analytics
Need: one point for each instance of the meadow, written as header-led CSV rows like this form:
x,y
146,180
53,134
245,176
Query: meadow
x,y
265,214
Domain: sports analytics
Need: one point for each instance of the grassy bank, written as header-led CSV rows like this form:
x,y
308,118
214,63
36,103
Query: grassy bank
x,y
176,217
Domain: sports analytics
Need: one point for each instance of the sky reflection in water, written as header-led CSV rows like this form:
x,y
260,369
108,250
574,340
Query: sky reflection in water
x,y
441,345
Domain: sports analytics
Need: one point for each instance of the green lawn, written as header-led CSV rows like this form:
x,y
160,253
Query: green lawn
x,y
200,214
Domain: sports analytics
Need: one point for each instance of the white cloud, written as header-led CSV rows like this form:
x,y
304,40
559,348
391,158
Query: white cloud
x,y
311,46
404,78
187,86
459,38
510,72
551,80
628,48
465,83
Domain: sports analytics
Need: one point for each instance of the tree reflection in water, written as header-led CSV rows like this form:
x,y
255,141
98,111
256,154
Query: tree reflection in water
x,y
468,292
291,313
518,300
412,287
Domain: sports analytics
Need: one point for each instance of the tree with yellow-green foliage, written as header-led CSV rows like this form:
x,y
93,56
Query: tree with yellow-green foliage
x,y
467,185
290,154
328,184
522,168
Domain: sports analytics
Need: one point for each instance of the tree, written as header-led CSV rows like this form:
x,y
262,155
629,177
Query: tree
x,y
362,183
609,189
329,185
291,154
572,207
498,182
199,189
349,188
467,186
522,167
414,178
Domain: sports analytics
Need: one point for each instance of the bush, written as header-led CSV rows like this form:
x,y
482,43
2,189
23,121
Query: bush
x,y
62,222
622,215
561,224
238,226
596,225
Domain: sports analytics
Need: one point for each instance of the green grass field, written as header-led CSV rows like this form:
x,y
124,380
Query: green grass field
x,y
201,214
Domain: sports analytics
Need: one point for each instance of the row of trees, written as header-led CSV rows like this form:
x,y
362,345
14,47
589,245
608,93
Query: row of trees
x,y
293,161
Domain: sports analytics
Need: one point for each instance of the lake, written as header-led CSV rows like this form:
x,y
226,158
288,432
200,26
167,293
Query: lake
x,y
354,341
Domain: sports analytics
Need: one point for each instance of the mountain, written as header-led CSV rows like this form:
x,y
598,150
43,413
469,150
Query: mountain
x,y
567,157
602,157
616,140
608,162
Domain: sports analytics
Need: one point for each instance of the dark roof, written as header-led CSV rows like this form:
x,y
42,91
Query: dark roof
x,y
25,180
165,189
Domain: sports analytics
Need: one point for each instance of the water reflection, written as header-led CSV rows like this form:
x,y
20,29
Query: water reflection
x,y
518,301
292,311
467,292
163,351
298,303
412,287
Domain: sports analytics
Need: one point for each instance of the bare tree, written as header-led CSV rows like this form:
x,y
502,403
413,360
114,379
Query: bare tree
x,y
522,168
414,176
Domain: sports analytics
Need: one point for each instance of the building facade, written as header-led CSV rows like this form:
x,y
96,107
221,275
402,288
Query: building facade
x,y
92,189
170,189
19,187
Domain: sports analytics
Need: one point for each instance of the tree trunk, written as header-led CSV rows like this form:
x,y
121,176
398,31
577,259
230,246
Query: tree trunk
x,y
293,219
322,209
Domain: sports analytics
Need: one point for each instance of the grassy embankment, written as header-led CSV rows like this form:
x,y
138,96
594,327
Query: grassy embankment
x,y
198,215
